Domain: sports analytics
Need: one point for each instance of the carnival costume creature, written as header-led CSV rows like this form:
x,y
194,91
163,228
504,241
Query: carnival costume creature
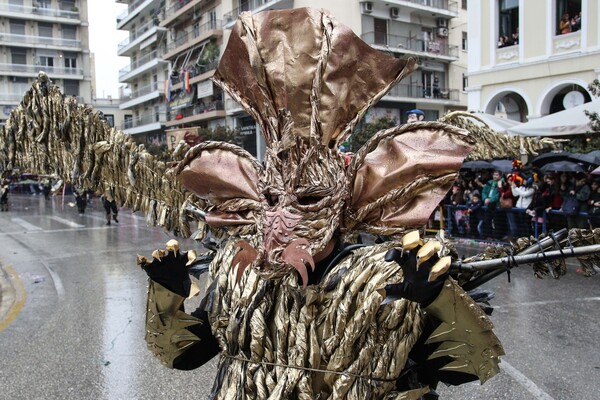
x,y
292,310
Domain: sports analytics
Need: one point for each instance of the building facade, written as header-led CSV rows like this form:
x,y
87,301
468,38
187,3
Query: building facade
x,y
532,58
181,40
43,35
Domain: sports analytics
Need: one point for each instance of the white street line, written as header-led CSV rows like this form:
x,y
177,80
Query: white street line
x,y
66,222
524,381
25,224
60,289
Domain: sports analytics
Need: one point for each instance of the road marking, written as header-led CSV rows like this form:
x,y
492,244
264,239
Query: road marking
x,y
19,300
60,289
547,302
524,381
21,222
66,222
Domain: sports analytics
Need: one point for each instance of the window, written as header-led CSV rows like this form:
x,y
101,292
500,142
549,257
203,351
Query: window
x,y
47,61
508,23
465,82
70,60
110,119
380,28
18,56
568,16
71,87
464,4
44,30
464,43
69,32
17,27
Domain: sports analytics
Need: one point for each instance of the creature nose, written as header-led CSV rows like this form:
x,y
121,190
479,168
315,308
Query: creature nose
x,y
297,254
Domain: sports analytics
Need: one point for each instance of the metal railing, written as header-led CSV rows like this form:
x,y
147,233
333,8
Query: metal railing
x,y
14,38
34,69
129,9
46,12
424,92
146,119
246,6
179,4
430,48
196,109
192,33
12,96
137,33
138,63
448,5
144,90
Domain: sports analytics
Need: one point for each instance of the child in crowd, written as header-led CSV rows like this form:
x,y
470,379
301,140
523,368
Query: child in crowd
x,y
475,213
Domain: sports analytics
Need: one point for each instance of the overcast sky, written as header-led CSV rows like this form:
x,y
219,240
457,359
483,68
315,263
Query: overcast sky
x,y
104,40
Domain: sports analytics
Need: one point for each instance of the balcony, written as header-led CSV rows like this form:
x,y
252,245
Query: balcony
x,y
197,113
143,64
566,43
507,55
141,95
11,39
233,107
33,70
40,14
146,122
192,36
135,8
11,98
413,46
412,92
138,36
180,7
255,6
198,73
426,8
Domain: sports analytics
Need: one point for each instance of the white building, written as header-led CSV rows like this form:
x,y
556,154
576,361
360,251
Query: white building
x,y
43,35
549,67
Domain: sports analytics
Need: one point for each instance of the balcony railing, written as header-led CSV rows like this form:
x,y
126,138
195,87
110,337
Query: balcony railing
x,y
12,97
129,9
46,12
430,48
246,6
138,63
197,109
137,33
448,5
146,119
192,33
144,90
423,92
178,5
13,38
34,69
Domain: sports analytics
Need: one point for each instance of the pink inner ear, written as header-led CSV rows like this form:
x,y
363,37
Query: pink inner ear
x,y
396,163
218,175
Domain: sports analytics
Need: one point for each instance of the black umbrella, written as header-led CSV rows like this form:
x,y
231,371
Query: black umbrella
x,y
550,157
504,166
477,164
562,166
592,158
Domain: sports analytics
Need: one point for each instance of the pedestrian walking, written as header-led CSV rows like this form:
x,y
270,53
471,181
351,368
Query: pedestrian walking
x,y
4,196
110,206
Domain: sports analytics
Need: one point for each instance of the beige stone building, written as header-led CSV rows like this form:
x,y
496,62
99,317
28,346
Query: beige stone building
x,y
546,69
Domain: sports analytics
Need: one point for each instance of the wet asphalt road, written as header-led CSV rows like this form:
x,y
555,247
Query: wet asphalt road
x,y
78,333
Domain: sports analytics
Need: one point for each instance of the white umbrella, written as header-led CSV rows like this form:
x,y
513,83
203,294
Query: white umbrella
x,y
572,121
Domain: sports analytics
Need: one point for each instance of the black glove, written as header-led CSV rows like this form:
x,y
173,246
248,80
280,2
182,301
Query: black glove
x,y
170,270
415,285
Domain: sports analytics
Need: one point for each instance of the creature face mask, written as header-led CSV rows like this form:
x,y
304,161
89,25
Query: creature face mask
x,y
307,80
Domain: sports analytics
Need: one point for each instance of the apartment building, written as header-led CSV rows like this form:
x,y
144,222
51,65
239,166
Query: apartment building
x,y
532,58
43,35
189,35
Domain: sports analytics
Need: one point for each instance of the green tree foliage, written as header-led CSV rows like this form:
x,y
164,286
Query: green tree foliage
x,y
361,135
590,141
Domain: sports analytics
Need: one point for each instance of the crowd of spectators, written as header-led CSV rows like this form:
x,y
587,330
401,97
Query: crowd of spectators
x,y
501,206
512,40
568,24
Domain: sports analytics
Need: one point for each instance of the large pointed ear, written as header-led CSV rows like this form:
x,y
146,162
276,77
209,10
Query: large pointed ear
x,y
226,176
399,183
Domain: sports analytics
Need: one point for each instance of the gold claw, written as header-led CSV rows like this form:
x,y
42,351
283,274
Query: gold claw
x,y
411,240
440,268
191,255
158,254
141,260
173,245
428,250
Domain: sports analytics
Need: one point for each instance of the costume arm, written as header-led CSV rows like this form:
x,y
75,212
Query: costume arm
x,y
179,340
464,335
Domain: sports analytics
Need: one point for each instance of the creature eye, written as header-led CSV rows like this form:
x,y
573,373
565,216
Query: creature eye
x,y
308,200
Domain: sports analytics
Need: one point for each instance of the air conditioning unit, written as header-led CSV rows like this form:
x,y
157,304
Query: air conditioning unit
x,y
442,23
442,32
394,12
367,7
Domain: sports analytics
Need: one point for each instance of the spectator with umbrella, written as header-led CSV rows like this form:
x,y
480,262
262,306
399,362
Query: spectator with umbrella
x,y
490,197
580,195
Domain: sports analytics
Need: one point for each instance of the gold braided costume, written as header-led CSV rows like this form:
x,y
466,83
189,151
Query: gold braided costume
x,y
286,321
